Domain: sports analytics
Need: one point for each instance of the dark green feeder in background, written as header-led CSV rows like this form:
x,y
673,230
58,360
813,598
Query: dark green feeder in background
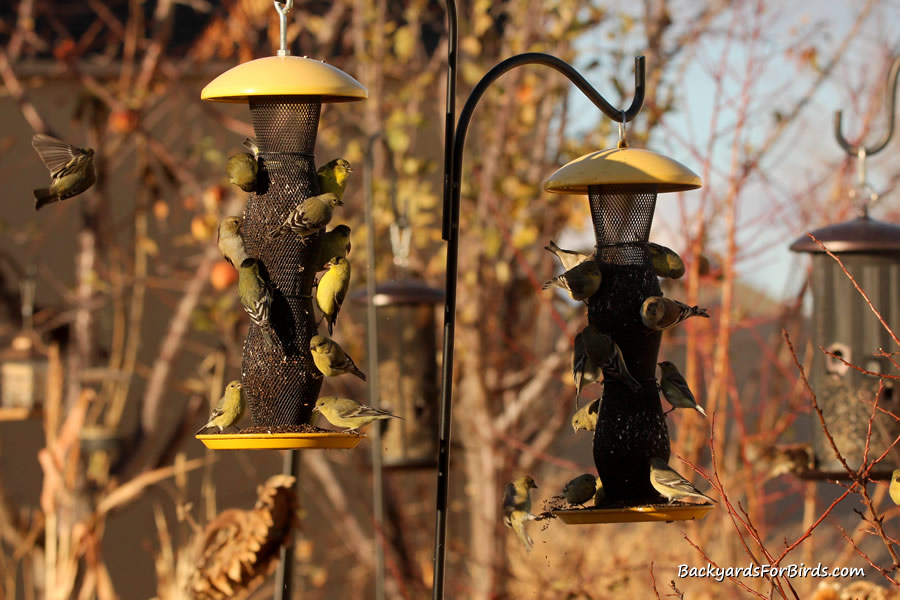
x,y
407,370
844,325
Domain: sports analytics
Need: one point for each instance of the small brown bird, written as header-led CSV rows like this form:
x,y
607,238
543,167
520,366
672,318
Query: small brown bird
x,y
330,358
584,371
659,313
517,507
568,258
71,169
581,281
586,417
670,484
675,388
894,489
666,261
604,352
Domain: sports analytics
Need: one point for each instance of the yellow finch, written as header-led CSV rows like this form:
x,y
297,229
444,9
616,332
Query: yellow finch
x,y
308,217
332,289
517,507
659,313
344,412
581,489
568,258
666,261
334,243
256,297
894,489
229,409
584,371
670,484
581,281
333,177
604,352
231,242
675,388
71,169
241,170
586,416
331,359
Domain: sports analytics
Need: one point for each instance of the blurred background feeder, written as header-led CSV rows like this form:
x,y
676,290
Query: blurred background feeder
x,y
23,365
407,370
285,94
844,325
621,185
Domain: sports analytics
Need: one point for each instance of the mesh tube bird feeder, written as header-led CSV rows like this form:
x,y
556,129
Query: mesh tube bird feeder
x,y
621,185
845,326
285,95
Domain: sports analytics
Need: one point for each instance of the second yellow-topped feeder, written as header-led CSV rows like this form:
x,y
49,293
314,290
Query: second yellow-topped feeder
x,y
285,94
622,185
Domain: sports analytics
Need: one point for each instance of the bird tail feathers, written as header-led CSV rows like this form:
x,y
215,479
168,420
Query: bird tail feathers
x,y
43,197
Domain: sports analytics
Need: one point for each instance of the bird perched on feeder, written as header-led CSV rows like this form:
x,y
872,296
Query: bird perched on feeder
x,y
333,177
584,371
604,352
256,297
229,409
894,489
586,416
71,169
344,412
331,359
241,169
332,289
581,489
670,484
335,243
675,389
659,313
581,281
666,261
568,258
231,242
308,217
517,507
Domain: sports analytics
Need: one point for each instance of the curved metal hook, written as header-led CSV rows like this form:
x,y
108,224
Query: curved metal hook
x,y
890,101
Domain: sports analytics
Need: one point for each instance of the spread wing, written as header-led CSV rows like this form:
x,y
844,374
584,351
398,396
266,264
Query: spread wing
x,y
55,153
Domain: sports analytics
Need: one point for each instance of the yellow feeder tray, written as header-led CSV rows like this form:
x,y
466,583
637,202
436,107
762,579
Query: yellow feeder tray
x,y
280,441
622,166
632,514
284,76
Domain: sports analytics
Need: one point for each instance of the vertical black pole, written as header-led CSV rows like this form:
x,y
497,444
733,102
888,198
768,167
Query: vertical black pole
x,y
443,460
283,575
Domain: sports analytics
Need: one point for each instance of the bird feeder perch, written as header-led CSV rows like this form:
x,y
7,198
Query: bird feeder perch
x,y
285,94
407,370
621,185
845,326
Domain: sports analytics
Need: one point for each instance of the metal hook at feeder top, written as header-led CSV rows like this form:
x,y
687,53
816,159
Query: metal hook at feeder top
x,y
623,143
283,10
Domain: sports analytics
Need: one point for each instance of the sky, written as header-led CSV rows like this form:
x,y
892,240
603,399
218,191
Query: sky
x,y
807,152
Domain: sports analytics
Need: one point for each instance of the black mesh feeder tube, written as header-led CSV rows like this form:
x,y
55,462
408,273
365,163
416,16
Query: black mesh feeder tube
x,y
285,94
622,185
844,325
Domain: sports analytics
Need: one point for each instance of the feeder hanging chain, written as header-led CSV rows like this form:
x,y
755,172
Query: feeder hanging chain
x,y
283,10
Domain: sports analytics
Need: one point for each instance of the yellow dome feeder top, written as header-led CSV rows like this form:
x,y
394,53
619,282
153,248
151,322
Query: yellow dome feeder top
x,y
622,166
284,76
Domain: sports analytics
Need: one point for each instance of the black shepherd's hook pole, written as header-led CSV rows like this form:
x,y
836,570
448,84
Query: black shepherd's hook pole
x,y
890,101
451,234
